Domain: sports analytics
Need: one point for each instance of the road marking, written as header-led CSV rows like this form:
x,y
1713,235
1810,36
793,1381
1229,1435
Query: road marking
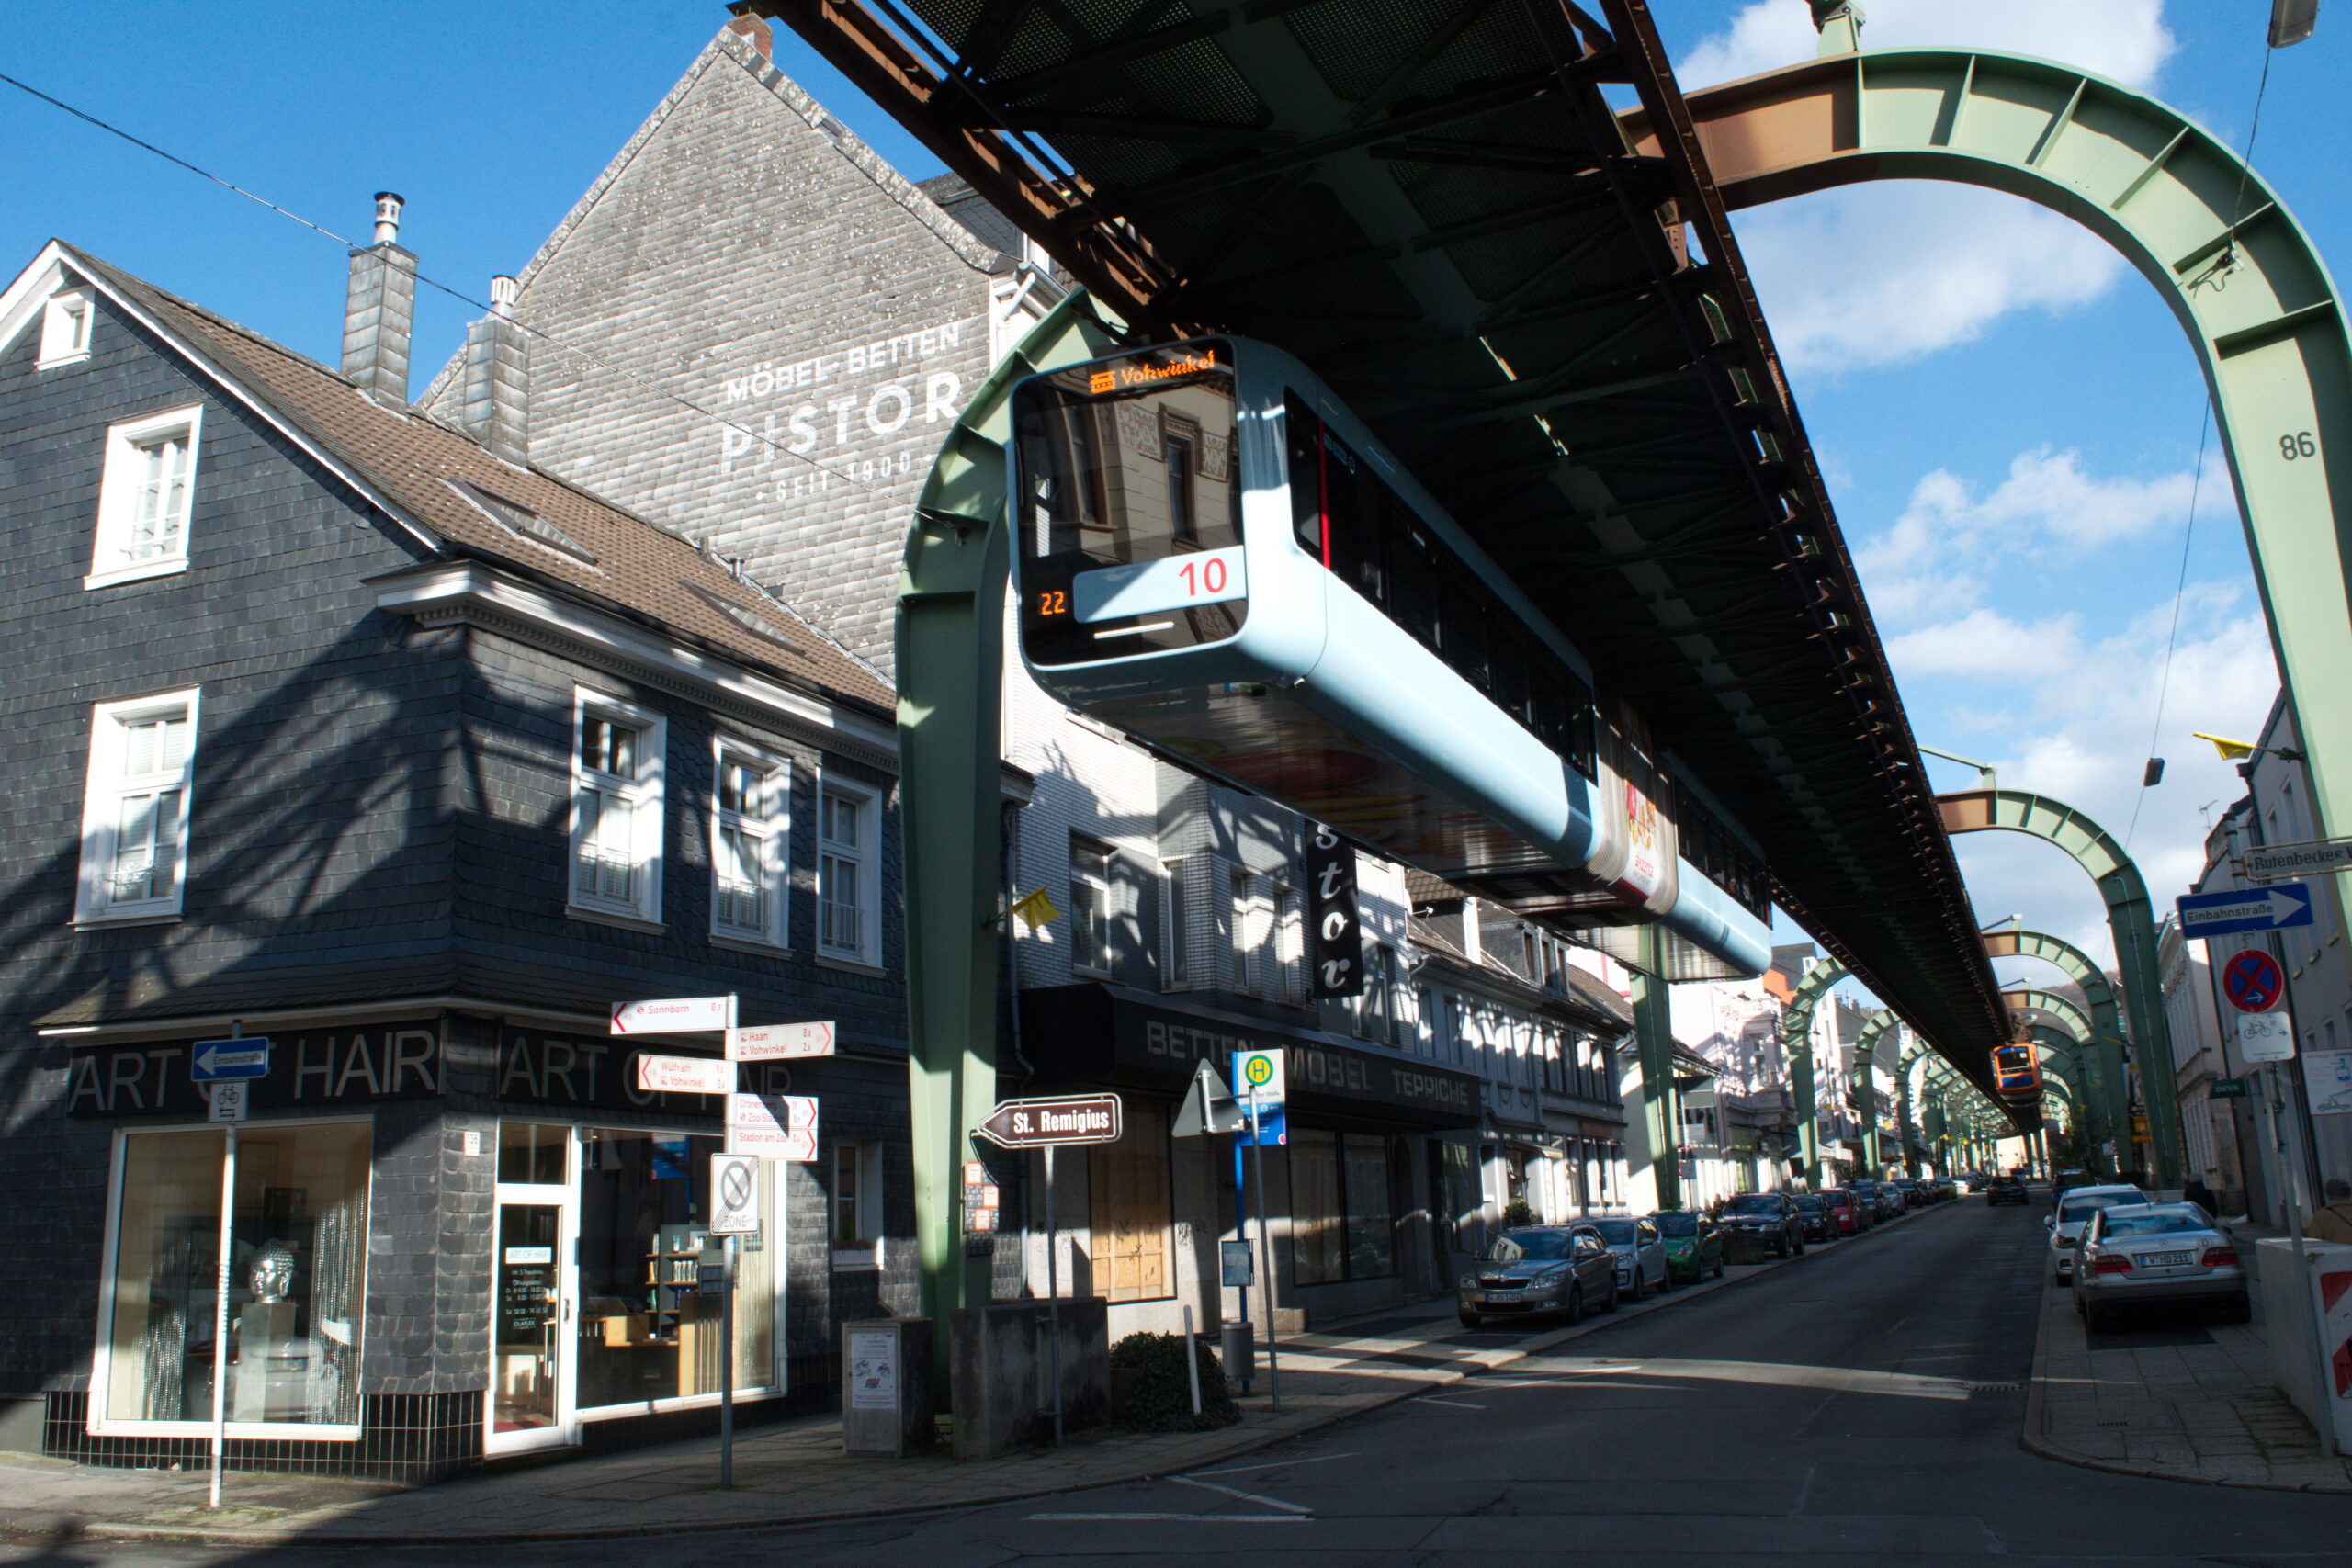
x,y
1245,1496
1196,1518
1805,1490
1460,1404
1277,1465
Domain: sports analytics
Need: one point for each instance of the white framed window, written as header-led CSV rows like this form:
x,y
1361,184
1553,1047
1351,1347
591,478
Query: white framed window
x,y
854,1215
66,323
750,821
849,890
1179,933
1244,923
135,808
616,753
1089,906
146,490
1290,946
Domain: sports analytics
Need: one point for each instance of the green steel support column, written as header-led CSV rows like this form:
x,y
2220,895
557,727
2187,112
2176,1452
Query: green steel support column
x,y
1796,1043
1654,1040
2082,1044
2241,277
2112,1084
952,587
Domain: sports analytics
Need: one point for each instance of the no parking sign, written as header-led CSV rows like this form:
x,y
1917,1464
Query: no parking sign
x,y
2253,981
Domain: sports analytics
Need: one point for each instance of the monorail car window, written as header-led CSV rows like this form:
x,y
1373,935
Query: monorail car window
x,y
1721,858
1345,516
1121,461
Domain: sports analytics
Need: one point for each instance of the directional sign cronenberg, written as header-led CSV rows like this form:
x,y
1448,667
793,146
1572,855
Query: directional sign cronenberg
x,y
772,1126
670,1015
2253,981
685,1074
775,1042
1062,1119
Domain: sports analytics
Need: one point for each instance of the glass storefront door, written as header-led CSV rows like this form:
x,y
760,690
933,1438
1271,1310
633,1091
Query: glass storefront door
x,y
534,1291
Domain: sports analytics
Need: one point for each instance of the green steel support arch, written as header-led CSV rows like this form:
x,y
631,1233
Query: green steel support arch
x,y
2076,1039
2112,1086
952,585
1796,1043
1882,1023
2240,276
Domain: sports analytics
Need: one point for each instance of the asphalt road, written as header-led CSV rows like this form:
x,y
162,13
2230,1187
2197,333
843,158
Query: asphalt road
x,y
1863,1403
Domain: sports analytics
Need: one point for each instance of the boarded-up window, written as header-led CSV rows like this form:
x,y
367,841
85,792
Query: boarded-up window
x,y
1132,1211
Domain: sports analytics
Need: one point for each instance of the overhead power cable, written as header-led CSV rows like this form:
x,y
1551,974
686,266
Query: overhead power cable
x,y
457,294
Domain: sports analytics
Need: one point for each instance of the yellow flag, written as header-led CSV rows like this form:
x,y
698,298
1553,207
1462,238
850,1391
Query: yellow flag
x,y
2230,750
1036,909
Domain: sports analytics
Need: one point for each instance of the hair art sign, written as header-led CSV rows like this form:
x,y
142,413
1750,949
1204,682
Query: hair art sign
x,y
1335,927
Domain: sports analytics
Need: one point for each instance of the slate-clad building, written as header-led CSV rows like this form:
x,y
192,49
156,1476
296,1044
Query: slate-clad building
x,y
333,729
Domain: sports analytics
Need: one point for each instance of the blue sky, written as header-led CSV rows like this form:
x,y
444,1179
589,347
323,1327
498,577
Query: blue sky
x,y
2009,418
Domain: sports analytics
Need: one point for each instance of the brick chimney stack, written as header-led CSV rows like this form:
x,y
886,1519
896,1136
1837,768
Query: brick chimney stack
x,y
379,311
494,396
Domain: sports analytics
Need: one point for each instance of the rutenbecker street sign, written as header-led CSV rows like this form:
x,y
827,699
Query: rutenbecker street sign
x,y
2290,860
1060,1119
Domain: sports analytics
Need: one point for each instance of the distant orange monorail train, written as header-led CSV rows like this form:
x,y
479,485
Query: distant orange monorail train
x,y
2017,1070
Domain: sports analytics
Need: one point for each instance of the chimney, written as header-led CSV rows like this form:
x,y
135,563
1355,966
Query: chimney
x,y
381,310
494,398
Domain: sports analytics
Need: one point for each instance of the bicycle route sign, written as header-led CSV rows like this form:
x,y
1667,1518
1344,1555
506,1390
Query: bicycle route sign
x,y
2253,981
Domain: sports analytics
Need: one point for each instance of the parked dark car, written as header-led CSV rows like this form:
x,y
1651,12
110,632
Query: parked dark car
x,y
1768,1221
1914,1196
1566,1269
1814,1218
2005,1189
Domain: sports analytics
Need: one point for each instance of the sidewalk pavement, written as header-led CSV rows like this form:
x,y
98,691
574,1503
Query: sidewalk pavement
x,y
786,1472
2183,1399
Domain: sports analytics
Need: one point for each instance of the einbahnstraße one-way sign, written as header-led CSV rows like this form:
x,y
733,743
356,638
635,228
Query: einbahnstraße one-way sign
x,y
2271,909
1056,1119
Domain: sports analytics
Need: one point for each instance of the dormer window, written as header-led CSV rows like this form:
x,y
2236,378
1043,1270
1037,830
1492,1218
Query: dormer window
x,y
146,493
65,329
523,523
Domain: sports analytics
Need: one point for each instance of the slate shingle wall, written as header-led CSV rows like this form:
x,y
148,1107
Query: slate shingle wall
x,y
317,832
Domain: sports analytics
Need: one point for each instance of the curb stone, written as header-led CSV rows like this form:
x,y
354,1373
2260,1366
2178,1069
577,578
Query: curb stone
x,y
328,1535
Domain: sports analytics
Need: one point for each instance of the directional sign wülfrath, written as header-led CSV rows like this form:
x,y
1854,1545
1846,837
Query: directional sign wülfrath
x,y
2271,909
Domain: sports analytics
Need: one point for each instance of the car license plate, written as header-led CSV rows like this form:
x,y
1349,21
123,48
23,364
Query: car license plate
x,y
1504,1296
2167,1259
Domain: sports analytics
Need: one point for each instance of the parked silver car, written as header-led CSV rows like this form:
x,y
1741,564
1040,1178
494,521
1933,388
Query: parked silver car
x,y
1566,1269
2075,1210
2145,1254
1640,1252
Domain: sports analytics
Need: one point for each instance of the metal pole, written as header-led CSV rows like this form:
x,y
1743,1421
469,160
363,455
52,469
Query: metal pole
x,y
1265,1253
726,1368
1242,1233
221,1310
1053,1297
2323,1422
1191,1361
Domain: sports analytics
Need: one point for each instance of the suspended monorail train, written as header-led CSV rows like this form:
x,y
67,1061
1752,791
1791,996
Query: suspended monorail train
x,y
2016,1071
1215,554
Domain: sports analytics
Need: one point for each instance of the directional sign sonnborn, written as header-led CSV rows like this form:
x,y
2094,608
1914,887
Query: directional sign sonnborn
x,y
215,1061
1059,1119
2253,981
2271,909
674,1015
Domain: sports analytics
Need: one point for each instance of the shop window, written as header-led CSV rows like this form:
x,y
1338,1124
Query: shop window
x,y
135,808
749,820
146,491
1089,907
533,1154
297,1240
1342,1221
1133,1213
848,873
615,810
647,1331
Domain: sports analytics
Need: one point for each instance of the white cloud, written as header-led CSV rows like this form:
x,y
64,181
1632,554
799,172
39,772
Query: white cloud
x,y
1880,274
2123,38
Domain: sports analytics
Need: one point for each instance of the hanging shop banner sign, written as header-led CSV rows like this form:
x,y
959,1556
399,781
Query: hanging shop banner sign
x,y
685,1074
779,1041
674,1015
313,1069
772,1126
1335,929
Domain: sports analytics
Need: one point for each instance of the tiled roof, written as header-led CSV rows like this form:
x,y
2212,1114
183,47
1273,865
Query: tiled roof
x,y
414,464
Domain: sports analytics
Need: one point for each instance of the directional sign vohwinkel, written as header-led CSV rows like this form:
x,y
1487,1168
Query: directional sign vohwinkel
x,y
2271,909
